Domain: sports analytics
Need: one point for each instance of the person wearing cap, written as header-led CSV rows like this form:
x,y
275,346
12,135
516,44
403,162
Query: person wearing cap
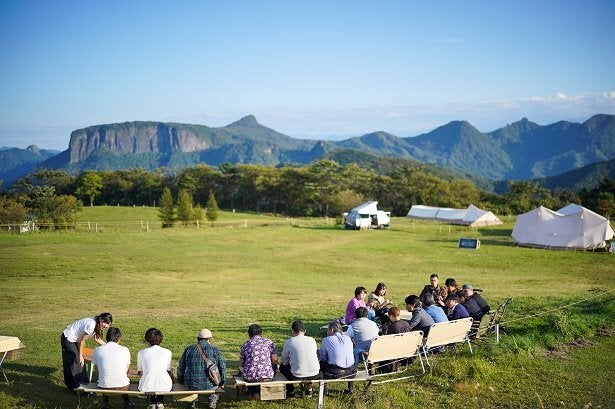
x,y
299,358
192,371
477,297
434,288
455,310
257,358
472,306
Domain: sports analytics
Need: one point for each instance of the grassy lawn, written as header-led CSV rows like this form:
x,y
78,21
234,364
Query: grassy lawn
x,y
256,268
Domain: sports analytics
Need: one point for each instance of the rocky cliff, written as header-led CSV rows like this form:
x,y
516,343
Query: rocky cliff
x,y
134,137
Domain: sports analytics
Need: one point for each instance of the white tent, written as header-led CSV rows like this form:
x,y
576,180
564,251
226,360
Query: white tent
x,y
571,227
472,216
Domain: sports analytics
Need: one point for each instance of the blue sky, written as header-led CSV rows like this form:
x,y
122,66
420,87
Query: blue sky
x,y
317,69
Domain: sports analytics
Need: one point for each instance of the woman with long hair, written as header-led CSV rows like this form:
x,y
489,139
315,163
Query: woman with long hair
x,y
72,341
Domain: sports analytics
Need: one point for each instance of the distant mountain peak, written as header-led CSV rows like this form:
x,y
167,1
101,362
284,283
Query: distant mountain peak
x,y
33,148
248,121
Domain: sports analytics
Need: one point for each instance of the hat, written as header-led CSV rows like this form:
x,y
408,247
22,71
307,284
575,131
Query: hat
x,y
467,287
204,333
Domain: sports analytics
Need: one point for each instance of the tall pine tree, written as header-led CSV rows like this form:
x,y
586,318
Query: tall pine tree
x,y
212,208
166,211
184,207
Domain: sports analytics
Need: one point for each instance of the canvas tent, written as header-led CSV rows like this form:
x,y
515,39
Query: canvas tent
x,y
472,216
571,227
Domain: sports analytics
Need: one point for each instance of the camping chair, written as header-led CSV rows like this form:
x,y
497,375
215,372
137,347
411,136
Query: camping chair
x,y
481,328
393,347
447,333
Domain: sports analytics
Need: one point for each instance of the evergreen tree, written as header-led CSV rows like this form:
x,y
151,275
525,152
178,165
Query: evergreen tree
x,y
212,208
166,211
184,207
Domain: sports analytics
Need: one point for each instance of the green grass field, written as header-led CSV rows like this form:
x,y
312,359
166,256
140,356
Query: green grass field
x,y
252,268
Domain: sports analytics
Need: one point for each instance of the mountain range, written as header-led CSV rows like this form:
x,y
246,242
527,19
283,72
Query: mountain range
x,y
521,150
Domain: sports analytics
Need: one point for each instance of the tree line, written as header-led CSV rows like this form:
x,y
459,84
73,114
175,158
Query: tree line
x,y
324,188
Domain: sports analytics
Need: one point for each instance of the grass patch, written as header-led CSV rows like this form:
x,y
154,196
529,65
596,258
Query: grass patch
x,y
271,270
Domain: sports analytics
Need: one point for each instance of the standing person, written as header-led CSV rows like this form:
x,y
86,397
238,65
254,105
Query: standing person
x,y
455,310
257,358
154,366
192,370
112,361
336,355
72,341
477,297
379,303
362,332
420,321
355,302
434,288
299,358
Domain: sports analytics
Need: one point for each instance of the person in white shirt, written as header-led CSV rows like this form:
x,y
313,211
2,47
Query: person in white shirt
x,y
72,341
154,366
112,361
299,358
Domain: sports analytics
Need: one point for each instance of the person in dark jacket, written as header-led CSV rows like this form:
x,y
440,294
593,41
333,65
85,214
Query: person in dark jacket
x,y
455,310
477,297
473,309
420,321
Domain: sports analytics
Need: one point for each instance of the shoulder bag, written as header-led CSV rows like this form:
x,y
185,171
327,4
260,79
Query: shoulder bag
x,y
210,367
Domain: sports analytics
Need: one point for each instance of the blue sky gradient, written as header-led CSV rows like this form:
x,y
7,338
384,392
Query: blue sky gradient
x,y
317,69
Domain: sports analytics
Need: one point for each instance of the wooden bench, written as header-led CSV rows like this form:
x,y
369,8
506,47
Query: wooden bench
x,y
446,333
178,392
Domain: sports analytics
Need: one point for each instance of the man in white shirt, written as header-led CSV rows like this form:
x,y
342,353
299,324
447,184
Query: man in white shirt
x,y
113,361
299,358
362,331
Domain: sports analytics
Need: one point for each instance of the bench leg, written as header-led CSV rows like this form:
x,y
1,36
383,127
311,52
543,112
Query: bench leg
x,y
321,394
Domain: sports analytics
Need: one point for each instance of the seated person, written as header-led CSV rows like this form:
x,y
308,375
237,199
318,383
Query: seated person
x,y
420,321
154,366
471,306
336,355
192,370
257,358
455,310
437,291
477,297
299,358
371,310
395,325
355,302
112,361
434,311
379,303
362,332
451,286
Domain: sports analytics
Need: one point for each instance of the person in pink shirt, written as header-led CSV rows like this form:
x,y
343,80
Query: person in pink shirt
x,y
357,301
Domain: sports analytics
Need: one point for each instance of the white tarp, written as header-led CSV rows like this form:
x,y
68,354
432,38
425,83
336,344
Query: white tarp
x,y
472,216
571,227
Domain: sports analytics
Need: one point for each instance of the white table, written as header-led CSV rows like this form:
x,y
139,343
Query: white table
x,y
9,346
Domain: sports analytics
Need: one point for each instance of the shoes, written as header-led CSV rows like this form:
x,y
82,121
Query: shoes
x,y
160,406
309,392
154,406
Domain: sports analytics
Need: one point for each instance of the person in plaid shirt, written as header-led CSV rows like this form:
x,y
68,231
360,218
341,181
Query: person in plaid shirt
x,y
192,370
258,357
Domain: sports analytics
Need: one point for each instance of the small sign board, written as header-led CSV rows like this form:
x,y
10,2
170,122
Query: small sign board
x,y
469,243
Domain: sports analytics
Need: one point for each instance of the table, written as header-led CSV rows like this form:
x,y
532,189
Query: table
x,y
9,346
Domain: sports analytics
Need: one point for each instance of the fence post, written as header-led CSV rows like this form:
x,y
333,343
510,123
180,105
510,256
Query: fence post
x,y
147,226
96,228
197,223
